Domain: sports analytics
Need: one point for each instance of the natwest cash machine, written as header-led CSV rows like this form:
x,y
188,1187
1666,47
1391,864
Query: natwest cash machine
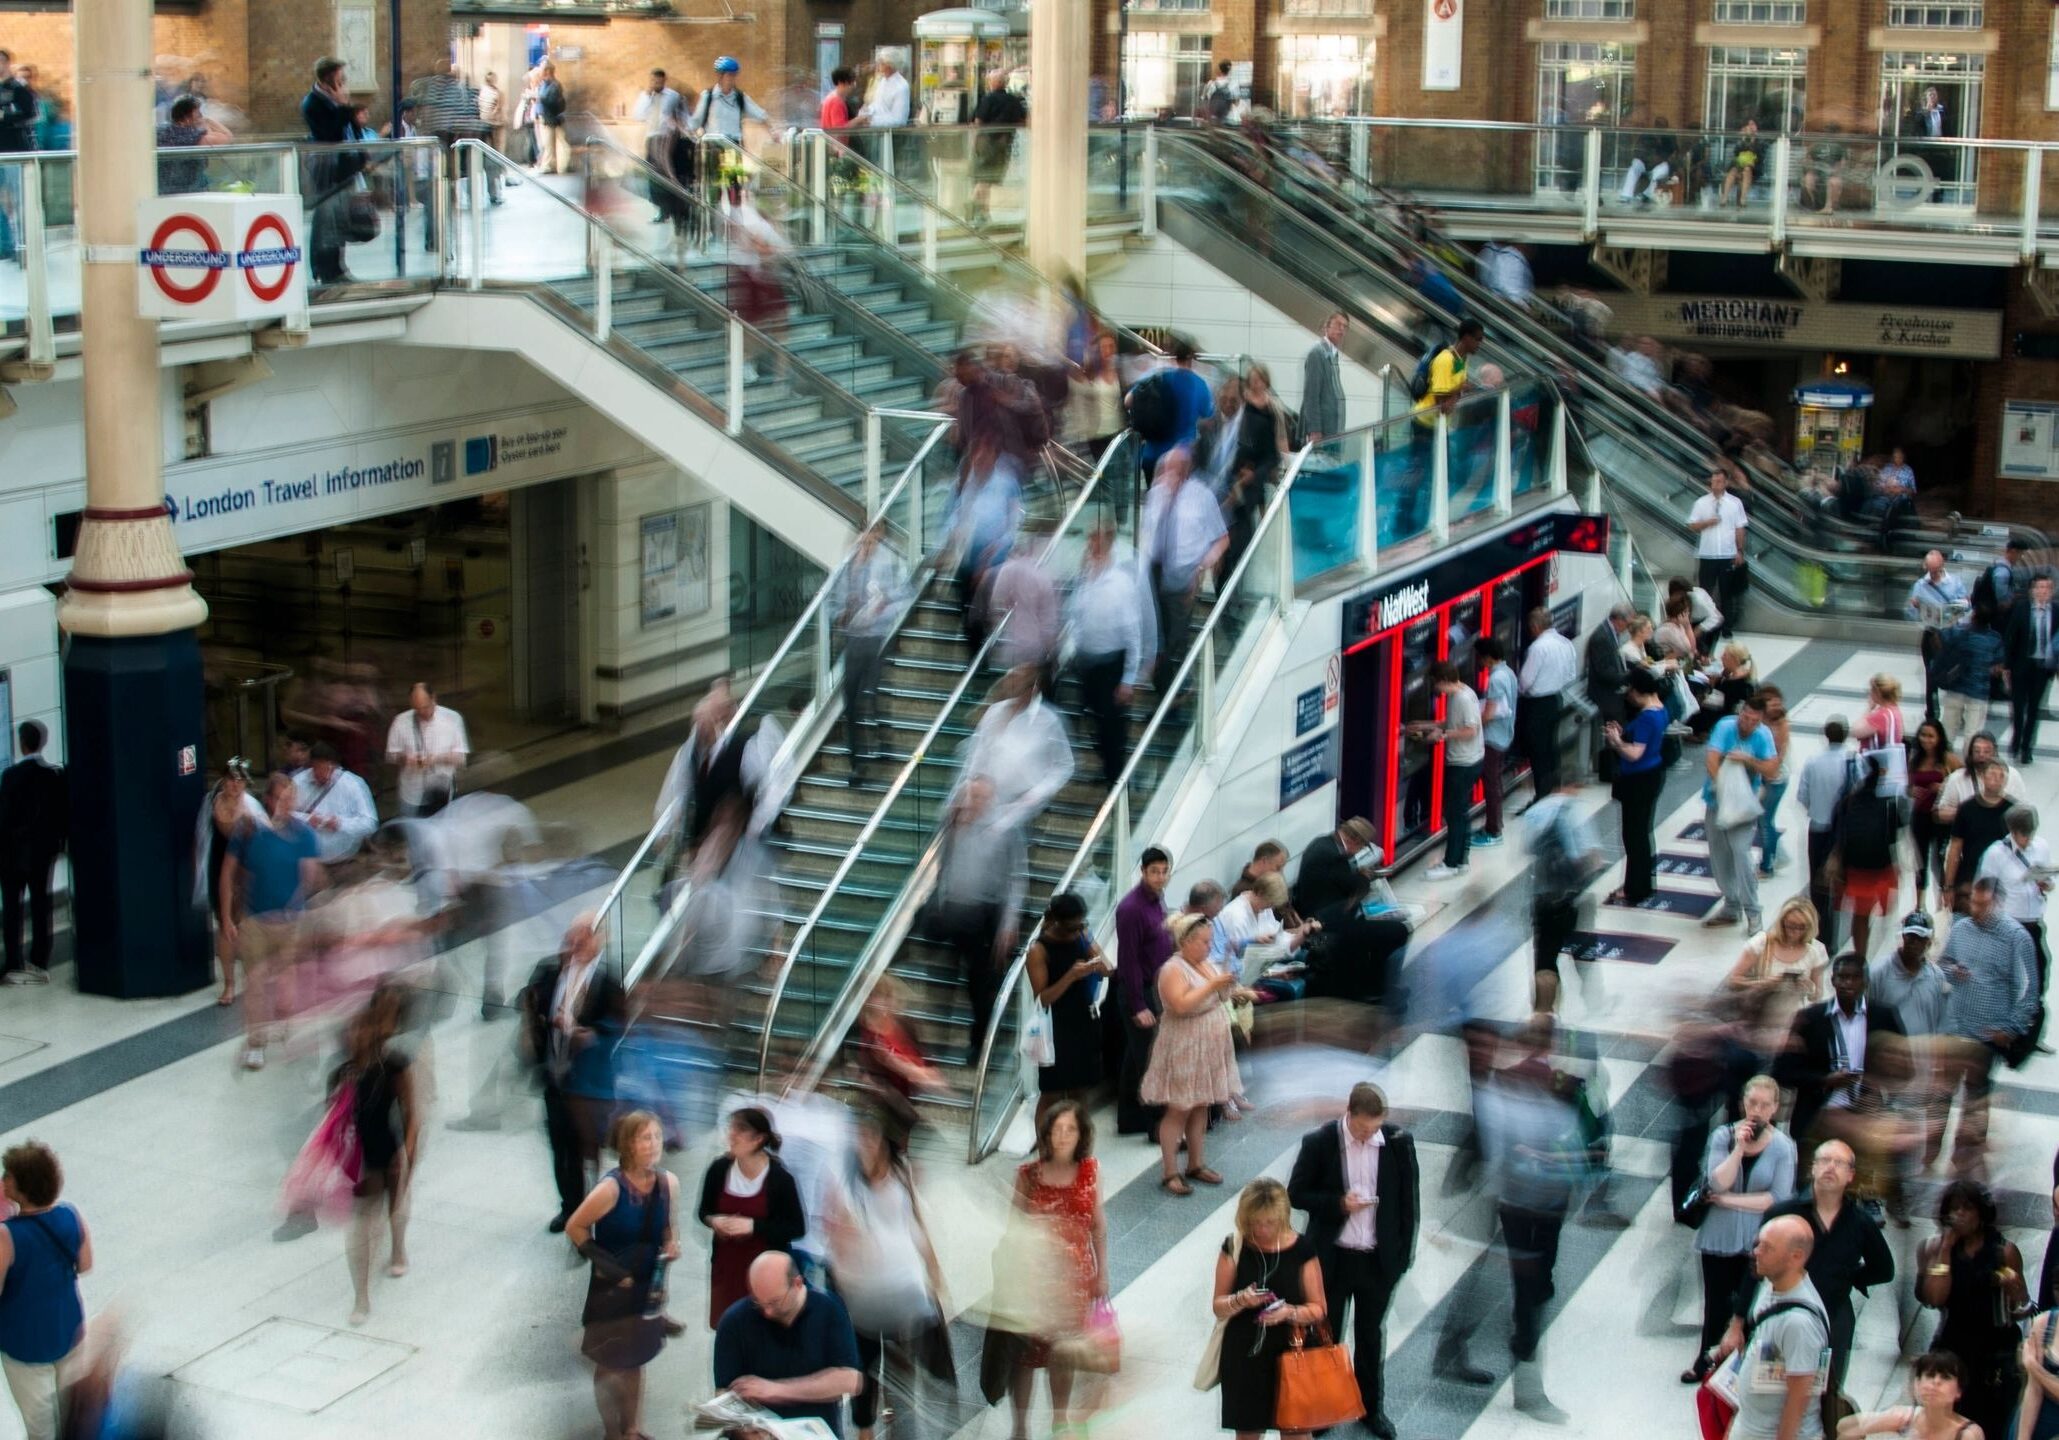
x,y
1396,629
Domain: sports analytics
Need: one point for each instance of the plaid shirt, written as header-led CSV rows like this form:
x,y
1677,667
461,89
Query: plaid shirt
x,y
2001,992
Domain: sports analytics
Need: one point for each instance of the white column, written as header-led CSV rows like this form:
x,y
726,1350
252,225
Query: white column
x,y
1059,39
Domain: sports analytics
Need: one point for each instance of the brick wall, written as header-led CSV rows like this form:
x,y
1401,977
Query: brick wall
x,y
2010,378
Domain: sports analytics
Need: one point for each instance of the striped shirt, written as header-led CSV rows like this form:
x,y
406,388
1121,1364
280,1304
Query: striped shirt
x,y
2000,992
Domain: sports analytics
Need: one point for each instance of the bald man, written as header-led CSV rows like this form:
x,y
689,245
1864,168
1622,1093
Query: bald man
x,y
1786,1340
1847,1251
788,1347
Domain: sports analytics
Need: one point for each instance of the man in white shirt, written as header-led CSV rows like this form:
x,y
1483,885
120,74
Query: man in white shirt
x,y
664,120
1021,747
1938,598
1550,664
888,106
1113,626
427,743
335,804
493,115
1183,536
724,108
869,601
1719,519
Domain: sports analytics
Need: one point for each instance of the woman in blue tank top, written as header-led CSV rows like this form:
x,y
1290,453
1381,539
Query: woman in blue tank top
x,y
44,1251
626,1228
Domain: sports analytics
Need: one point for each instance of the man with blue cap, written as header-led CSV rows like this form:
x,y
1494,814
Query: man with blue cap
x,y
724,108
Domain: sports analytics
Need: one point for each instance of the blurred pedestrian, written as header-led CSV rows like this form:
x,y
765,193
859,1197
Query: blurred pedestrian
x,y
1183,537
885,1270
1869,833
1972,1275
1991,965
1021,748
979,890
273,869
628,1230
1357,1180
44,1248
1498,697
35,824
888,1054
1114,633
1193,1066
1747,1169
335,804
1915,986
2020,864
1166,407
663,115
428,744
1060,1187
707,771
1742,743
1564,858
981,521
1268,1285
1022,591
573,1011
870,598
229,809
388,1116
788,1347
999,114
1063,966
1776,787
1142,946
751,1202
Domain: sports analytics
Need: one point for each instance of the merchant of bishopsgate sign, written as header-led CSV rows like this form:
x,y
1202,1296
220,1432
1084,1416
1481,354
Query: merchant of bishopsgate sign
x,y
1747,320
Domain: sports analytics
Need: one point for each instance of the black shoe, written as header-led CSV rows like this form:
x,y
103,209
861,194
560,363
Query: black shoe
x,y
557,1224
673,1327
1452,1364
1380,1425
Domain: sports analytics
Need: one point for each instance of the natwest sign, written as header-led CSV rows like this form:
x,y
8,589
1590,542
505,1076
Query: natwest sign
x,y
1402,605
220,257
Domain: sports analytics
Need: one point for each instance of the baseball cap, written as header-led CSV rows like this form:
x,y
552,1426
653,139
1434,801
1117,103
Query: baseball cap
x,y
1916,922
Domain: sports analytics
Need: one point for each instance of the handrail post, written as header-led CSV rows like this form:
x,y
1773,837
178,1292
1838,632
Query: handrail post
x,y
289,184
1504,463
1782,155
1369,499
603,284
1626,571
1440,481
2033,199
1119,862
873,461
818,176
1361,154
475,184
1147,192
1558,447
736,376
1283,537
929,239
822,657
35,258
917,501
1590,185
1204,695
439,175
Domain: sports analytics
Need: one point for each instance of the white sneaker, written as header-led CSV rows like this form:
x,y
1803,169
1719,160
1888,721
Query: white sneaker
x,y
253,1058
1443,872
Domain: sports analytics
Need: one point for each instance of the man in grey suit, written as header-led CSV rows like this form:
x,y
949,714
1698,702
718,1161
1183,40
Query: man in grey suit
x,y
1322,383
1608,671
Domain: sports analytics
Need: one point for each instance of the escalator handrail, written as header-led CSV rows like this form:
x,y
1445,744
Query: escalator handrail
x,y
815,1057
803,624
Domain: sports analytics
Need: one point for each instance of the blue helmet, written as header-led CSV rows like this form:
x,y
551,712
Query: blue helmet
x,y
727,65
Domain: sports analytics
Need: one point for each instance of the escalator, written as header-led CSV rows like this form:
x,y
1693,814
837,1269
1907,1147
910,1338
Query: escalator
x,y
1290,240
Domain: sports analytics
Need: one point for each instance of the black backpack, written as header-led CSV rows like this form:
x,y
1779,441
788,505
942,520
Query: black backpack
x,y
1155,408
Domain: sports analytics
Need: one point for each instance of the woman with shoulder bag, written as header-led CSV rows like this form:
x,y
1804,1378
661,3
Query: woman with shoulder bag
x,y
44,1250
1268,1281
1747,1168
628,1228
1060,1187
751,1202
1781,969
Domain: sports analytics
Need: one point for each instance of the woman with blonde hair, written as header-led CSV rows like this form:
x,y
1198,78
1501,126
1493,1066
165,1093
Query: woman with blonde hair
x,y
1747,1169
1780,970
1267,1281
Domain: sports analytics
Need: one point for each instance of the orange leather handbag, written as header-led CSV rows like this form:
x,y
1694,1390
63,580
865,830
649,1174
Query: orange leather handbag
x,y
1317,1388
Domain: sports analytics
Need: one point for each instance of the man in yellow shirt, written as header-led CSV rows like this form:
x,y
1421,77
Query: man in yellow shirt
x,y
1448,370
1440,396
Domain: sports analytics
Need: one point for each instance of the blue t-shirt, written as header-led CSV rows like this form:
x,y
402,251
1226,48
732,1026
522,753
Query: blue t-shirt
x,y
1724,739
272,857
41,1315
1195,403
1500,732
821,1338
1646,728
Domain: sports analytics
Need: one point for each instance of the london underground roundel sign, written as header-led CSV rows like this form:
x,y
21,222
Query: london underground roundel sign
x,y
220,257
187,273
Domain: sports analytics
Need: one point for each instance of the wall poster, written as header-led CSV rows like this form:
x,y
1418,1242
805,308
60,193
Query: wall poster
x,y
673,564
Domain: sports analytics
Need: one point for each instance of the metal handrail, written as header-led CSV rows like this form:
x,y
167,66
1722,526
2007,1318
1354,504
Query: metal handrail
x,y
900,782
803,623
1002,259
976,1145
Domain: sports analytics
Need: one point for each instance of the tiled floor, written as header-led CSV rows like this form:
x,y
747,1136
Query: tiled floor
x,y
178,1171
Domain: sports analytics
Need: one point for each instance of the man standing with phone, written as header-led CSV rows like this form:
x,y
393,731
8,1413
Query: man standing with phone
x,y
1358,1181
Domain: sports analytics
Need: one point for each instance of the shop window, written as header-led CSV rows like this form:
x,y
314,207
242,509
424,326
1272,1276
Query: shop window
x,y
1344,9
2052,65
1154,6
1932,96
1761,12
1590,9
1918,15
1578,84
1754,82
1321,76
1166,72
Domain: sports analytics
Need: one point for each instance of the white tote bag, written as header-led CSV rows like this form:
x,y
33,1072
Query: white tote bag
x,y
1737,803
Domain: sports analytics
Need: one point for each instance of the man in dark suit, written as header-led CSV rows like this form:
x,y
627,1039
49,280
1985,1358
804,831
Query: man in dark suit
x,y
1357,1179
2027,637
573,1011
1607,671
34,820
1327,873
1322,382
1841,1052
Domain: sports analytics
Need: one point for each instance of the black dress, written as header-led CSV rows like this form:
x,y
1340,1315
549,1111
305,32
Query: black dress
x,y
1976,1328
377,1114
1075,1034
1251,1381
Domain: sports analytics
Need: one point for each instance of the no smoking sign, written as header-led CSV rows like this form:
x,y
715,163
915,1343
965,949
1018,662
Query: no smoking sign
x,y
220,257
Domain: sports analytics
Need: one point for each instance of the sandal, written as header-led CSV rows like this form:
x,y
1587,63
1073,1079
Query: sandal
x,y
1206,1176
1174,1185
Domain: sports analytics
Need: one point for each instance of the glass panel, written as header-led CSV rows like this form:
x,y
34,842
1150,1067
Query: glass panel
x,y
1470,443
52,178
1579,83
1531,407
1926,99
1324,506
1590,9
1324,75
1403,485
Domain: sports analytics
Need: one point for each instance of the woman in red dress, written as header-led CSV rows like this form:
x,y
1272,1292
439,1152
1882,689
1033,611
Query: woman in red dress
x,y
1062,1189
752,1204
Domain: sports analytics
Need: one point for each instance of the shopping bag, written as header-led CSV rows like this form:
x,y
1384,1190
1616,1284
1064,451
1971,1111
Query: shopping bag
x,y
1737,803
1097,1349
325,1174
1038,1048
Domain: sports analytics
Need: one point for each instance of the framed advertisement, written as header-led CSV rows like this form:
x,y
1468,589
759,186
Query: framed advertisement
x,y
672,564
